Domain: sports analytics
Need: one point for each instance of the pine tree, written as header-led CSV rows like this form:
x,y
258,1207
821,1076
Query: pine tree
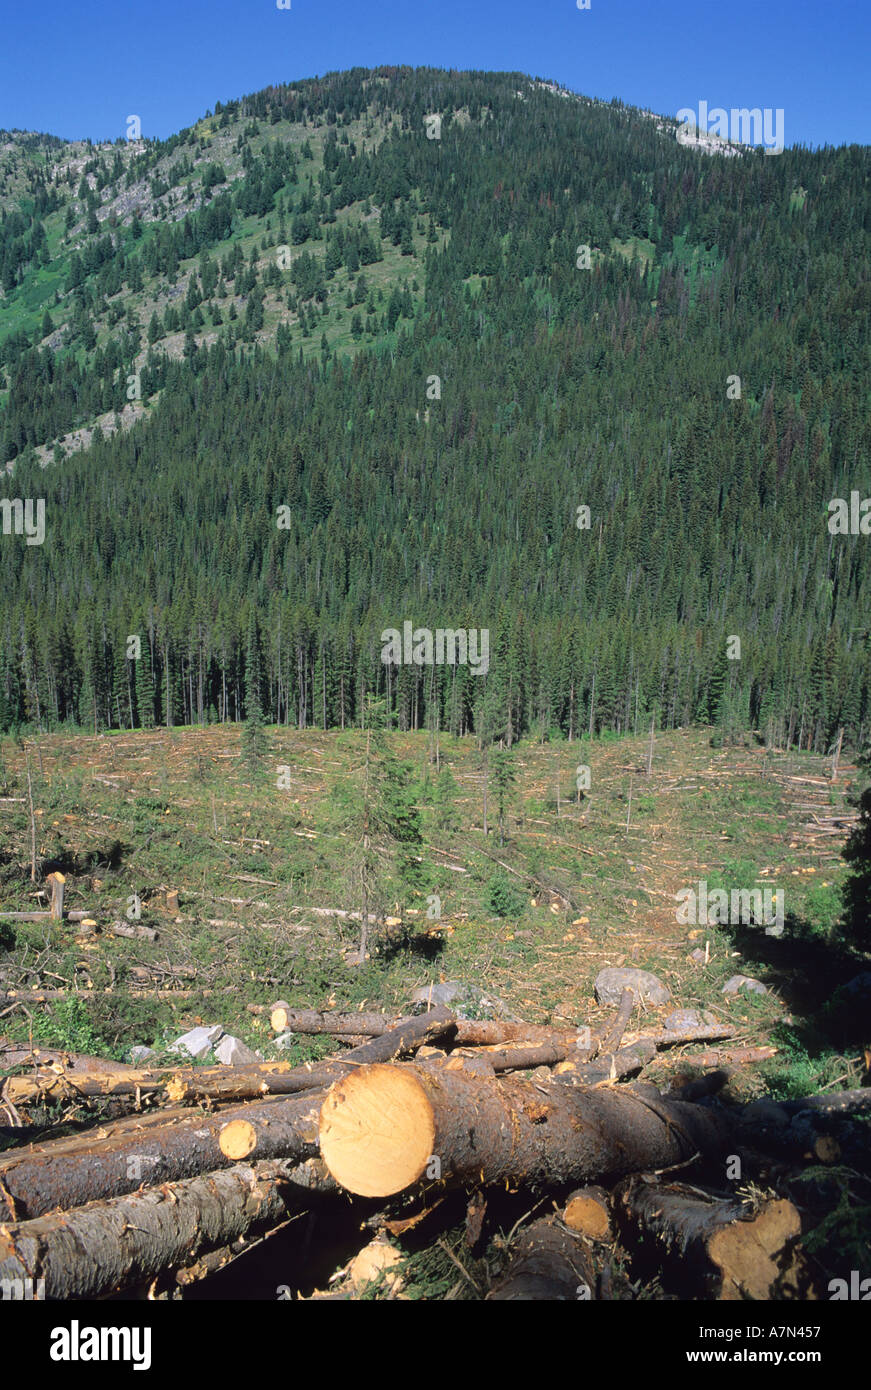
x,y
504,778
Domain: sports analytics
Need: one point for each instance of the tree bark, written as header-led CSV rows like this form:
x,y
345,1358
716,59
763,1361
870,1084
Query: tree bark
x,y
269,1132
12,1055
66,1176
382,1127
608,1066
470,1032
610,1035
710,1243
551,1263
225,1083
107,1246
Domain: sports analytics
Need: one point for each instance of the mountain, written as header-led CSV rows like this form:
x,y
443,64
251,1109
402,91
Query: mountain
x,y
323,364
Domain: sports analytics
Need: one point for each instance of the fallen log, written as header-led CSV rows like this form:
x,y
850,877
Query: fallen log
x,y
43,996
221,1083
607,1066
265,1132
470,1032
551,1263
282,1017
588,1211
728,1056
665,1038
516,1058
710,1244
609,1036
134,930
839,1102
107,1246
381,1127
59,1082
93,1169
13,1055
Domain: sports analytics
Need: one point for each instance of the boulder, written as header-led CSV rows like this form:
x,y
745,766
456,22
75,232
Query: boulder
x,y
747,982
859,988
610,984
141,1054
682,1019
199,1041
233,1052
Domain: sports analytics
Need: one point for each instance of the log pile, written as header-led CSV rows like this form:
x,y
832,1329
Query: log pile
x,y
427,1112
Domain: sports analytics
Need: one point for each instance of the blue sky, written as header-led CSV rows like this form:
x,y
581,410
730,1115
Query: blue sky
x,y
80,69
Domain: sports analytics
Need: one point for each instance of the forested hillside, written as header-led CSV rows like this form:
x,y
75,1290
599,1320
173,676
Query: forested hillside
x,y
351,376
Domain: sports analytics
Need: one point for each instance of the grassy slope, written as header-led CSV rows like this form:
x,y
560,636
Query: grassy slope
x,y
25,308
720,816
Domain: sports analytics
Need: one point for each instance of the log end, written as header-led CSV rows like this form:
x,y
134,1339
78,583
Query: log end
x,y
238,1139
377,1131
587,1211
754,1256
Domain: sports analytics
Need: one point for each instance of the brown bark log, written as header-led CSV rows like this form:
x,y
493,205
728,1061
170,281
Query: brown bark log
x,y
550,1263
839,1102
588,1211
282,1017
13,1055
107,1246
69,1176
268,1132
609,1037
607,1066
729,1056
470,1032
227,1083
516,1058
715,1244
664,1038
41,996
59,1082
381,1127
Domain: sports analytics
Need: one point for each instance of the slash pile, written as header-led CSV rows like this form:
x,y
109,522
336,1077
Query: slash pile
x,y
429,1105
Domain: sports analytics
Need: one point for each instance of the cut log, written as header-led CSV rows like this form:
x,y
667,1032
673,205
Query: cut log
x,y
41,996
108,1246
470,1032
97,1169
839,1102
516,1058
135,930
550,1263
607,1066
57,884
664,1038
609,1037
12,1055
588,1211
59,1082
381,1126
225,1083
715,1245
264,1131
729,1056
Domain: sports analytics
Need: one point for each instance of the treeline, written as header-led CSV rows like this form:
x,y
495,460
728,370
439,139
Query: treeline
x,y
698,388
